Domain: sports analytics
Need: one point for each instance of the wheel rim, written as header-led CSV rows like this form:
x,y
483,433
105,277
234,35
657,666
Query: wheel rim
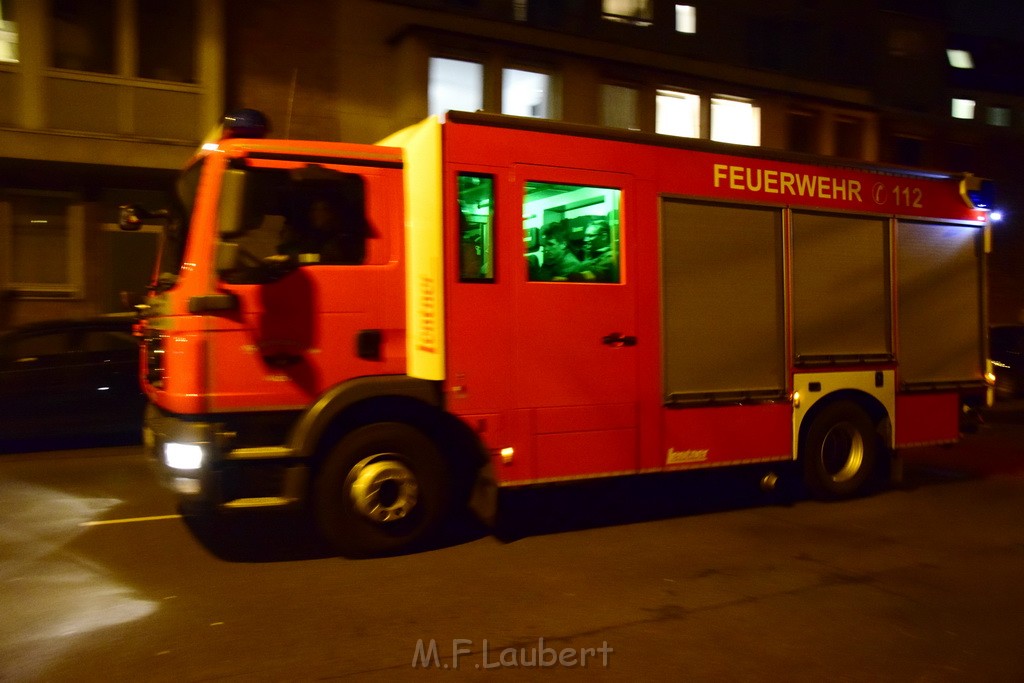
x,y
382,489
842,452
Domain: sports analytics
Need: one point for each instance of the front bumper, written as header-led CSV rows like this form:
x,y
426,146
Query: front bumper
x,y
203,464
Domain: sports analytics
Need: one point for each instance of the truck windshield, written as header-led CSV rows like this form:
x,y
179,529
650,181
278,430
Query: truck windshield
x,y
175,234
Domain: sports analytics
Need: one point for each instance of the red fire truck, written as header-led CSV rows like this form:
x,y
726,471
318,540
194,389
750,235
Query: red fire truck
x,y
387,333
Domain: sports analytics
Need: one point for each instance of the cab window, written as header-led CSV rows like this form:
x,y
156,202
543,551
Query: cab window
x,y
285,218
571,233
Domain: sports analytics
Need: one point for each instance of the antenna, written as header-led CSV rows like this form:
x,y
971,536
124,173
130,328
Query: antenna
x,y
291,103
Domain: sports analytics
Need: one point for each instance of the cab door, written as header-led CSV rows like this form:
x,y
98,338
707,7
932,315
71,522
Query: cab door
x,y
574,333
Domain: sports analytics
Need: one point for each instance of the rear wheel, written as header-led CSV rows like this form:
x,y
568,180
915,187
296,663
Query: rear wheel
x,y
840,451
383,489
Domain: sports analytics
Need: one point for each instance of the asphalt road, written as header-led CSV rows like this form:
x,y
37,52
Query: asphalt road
x,y
698,579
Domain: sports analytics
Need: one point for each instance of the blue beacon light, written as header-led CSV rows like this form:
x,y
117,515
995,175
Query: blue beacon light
x,y
979,193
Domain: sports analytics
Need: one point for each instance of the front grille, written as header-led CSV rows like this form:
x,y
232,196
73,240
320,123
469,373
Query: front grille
x,y
154,342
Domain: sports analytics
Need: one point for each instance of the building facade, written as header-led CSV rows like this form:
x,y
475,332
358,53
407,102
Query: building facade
x,y
888,81
100,103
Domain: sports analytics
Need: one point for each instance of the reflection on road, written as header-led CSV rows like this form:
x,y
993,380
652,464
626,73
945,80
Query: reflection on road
x,y
50,595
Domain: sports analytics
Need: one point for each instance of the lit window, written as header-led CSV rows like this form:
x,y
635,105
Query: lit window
x,y
454,84
619,106
960,59
677,113
8,35
735,121
962,109
476,227
636,12
571,232
686,19
997,116
525,93
519,8
43,245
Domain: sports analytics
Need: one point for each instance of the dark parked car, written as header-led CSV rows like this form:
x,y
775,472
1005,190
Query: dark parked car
x,y
1006,349
68,383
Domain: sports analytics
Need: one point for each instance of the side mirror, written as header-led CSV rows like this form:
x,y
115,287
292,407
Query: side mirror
x,y
130,220
233,208
132,301
132,216
227,256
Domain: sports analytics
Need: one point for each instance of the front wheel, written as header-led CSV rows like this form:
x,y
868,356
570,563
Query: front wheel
x,y
840,451
383,489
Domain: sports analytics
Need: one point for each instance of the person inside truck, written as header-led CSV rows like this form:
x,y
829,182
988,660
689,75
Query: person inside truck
x,y
558,261
600,263
324,232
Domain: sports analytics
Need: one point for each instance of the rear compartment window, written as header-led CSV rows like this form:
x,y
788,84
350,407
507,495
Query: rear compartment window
x,y
571,233
476,227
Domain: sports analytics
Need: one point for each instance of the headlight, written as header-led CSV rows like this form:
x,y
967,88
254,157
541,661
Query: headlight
x,y
183,456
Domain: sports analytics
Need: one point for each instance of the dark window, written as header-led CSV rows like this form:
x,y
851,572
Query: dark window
x,y
961,156
908,151
166,30
850,138
803,131
84,35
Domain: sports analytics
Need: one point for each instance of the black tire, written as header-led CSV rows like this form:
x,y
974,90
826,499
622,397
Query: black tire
x,y
840,451
383,489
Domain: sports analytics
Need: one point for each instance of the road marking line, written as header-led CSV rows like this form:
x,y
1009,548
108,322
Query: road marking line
x,y
129,520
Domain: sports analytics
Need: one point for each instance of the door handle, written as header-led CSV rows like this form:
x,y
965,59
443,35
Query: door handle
x,y
617,339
